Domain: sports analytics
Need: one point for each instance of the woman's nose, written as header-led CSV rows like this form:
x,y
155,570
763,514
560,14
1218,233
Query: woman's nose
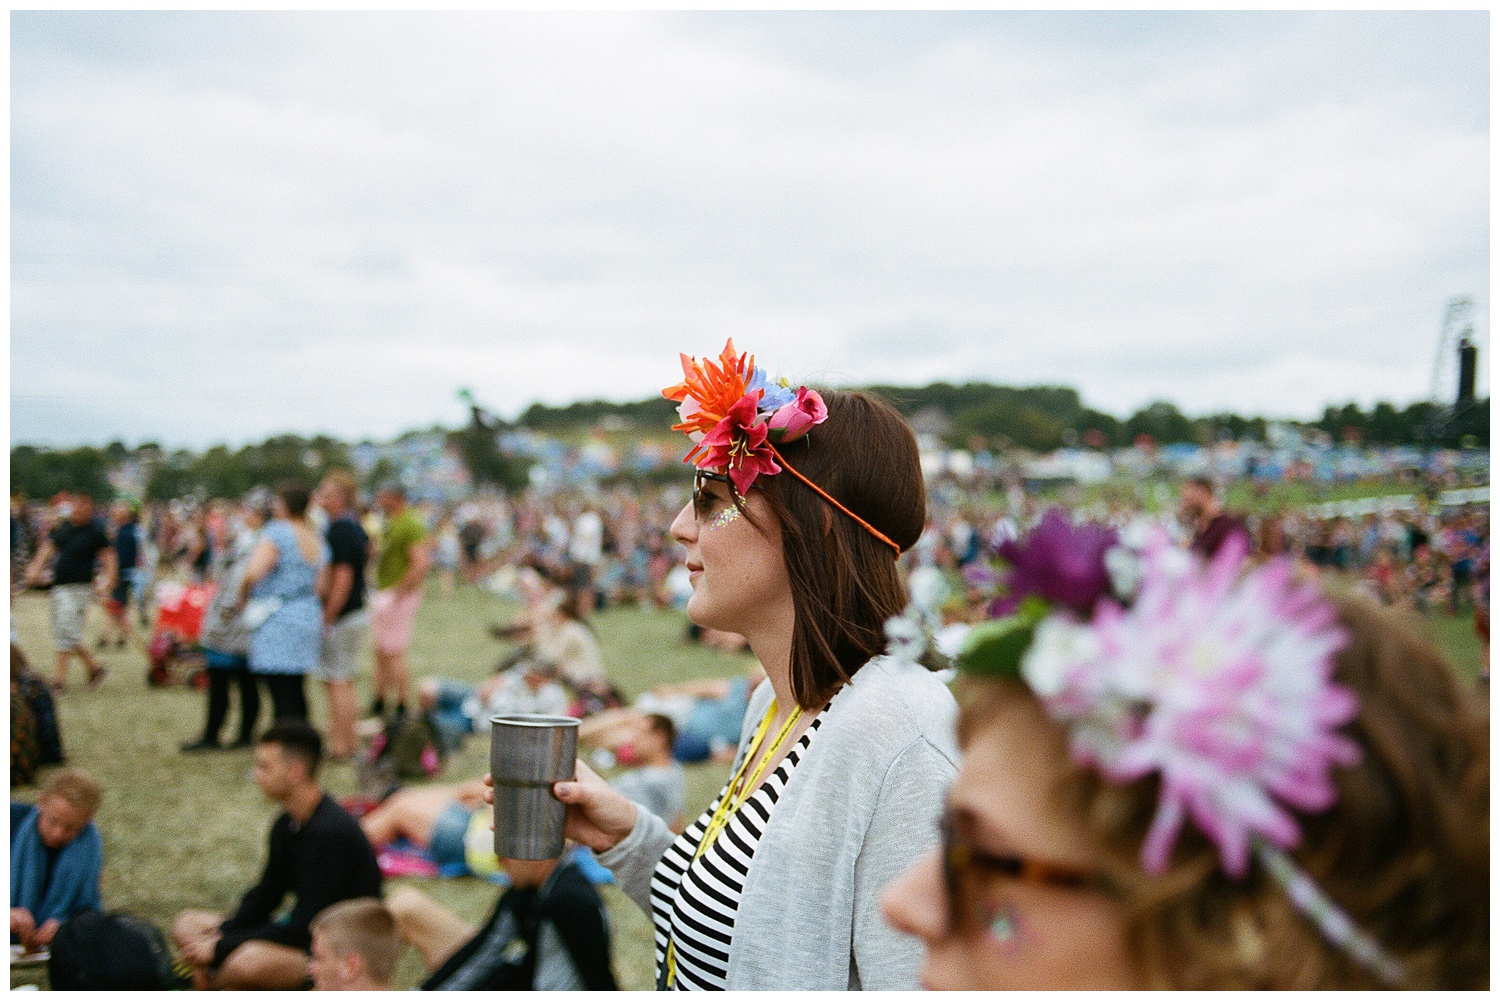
x,y
917,903
685,526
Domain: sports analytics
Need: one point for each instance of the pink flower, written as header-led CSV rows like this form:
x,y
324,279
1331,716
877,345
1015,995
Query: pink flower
x,y
1220,684
737,445
794,419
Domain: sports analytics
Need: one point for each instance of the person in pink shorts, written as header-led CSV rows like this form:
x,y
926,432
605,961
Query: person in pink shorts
x,y
401,568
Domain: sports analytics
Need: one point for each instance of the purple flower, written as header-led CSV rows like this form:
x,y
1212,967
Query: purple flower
x,y
1059,562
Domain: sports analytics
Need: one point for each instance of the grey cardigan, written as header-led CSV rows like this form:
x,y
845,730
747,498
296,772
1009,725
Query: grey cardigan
x,y
858,811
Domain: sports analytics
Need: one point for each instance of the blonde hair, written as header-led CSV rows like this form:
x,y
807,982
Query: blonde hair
x,y
365,926
1404,852
343,481
77,787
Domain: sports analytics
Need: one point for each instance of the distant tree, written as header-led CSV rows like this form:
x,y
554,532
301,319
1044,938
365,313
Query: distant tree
x,y
478,445
1346,423
1385,426
172,477
1471,426
39,472
1108,431
1162,421
1233,427
1424,423
383,470
221,474
648,413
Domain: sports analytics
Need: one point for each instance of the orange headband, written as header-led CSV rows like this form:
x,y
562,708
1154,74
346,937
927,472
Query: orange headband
x,y
829,498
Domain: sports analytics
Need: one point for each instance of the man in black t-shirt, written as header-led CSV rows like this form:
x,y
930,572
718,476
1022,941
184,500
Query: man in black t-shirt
x,y
345,621
78,541
317,853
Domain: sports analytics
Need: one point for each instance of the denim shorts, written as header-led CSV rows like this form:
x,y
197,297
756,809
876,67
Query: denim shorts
x,y
447,847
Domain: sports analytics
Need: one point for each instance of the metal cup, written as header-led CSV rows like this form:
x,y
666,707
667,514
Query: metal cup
x,y
527,754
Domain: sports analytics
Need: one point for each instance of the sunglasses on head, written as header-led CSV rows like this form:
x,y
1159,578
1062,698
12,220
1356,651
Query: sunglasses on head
x,y
702,502
963,864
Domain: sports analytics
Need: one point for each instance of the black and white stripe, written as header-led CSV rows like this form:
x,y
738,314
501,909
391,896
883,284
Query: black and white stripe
x,y
698,911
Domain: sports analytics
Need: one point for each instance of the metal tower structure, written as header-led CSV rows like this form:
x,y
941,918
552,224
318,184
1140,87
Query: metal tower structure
x,y
1458,325
1455,372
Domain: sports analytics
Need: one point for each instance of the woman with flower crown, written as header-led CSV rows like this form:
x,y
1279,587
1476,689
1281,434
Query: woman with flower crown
x,y
802,504
1188,775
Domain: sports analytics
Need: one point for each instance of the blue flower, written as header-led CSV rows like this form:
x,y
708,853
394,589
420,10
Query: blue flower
x,y
776,395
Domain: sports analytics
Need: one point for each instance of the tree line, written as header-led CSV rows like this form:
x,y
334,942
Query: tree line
x,y
975,414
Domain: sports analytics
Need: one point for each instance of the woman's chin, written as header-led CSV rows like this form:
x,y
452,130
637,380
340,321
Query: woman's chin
x,y
700,612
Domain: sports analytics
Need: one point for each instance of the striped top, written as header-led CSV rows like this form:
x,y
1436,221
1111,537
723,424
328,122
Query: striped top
x,y
698,911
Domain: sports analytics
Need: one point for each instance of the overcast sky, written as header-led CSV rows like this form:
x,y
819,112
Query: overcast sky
x,y
225,226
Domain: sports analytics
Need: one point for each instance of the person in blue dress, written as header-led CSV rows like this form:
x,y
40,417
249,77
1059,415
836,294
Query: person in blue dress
x,y
282,588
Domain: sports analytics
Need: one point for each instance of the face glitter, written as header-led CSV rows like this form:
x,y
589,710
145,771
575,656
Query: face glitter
x,y
725,517
1003,926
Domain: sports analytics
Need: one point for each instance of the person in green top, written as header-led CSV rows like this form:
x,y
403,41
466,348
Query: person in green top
x,y
401,566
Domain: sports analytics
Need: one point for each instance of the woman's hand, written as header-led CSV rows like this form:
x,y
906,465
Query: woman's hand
x,y
598,817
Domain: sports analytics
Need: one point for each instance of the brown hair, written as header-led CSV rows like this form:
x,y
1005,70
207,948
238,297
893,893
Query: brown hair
x,y
1404,851
77,787
844,580
662,724
295,495
365,926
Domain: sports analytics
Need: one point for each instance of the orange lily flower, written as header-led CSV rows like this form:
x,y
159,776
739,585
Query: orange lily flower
x,y
708,391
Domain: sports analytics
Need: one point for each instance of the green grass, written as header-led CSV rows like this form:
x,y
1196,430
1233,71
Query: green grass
x,y
185,831
1159,492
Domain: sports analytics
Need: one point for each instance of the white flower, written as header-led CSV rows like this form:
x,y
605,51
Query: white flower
x,y
906,634
1126,571
1056,647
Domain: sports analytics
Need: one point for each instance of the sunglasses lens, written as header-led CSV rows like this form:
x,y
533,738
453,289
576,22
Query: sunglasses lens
x,y
952,863
704,501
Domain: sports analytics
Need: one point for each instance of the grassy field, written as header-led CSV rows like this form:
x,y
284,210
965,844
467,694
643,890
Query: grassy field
x,y
191,831
185,831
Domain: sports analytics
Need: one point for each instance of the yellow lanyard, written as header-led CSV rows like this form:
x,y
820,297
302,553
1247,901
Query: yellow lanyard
x,y
735,796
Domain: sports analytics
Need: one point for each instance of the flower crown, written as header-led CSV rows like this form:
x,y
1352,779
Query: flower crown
x,y
735,415
1217,680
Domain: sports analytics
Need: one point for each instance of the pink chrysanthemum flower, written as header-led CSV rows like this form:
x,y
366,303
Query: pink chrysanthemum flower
x,y
1219,683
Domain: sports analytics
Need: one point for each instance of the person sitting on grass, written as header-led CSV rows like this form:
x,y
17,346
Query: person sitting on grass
x,y
437,818
317,853
654,779
355,947
56,857
432,817
548,932
708,714
459,709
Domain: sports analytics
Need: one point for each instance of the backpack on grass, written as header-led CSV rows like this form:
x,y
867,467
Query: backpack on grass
x,y
35,693
94,951
408,748
25,749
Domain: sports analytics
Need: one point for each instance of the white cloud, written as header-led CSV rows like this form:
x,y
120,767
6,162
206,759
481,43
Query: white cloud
x,y
225,225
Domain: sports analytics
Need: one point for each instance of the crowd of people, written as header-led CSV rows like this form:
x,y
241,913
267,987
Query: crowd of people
x,y
1428,560
298,588
1299,800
